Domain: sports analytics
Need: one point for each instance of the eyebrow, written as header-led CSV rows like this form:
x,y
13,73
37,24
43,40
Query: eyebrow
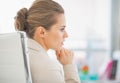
x,y
63,26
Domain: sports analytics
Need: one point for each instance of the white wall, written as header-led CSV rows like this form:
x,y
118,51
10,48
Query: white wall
x,y
8,11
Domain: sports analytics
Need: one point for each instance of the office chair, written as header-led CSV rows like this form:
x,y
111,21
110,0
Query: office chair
x,y
14,59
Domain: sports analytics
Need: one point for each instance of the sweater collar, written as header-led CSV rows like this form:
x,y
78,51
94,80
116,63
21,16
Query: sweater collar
x,y
32,44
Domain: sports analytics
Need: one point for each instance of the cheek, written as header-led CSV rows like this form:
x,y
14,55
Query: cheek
x,y
56,39
58,36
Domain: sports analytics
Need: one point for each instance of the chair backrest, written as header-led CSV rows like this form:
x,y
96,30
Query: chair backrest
x,y
14,59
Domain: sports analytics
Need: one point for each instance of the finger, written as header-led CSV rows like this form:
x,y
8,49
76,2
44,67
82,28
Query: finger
x,y
67,52
57,52
62,52
72,53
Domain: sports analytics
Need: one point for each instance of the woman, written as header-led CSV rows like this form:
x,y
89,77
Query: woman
x,y
44,24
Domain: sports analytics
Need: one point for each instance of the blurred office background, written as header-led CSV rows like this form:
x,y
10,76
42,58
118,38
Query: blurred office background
x,y
93,27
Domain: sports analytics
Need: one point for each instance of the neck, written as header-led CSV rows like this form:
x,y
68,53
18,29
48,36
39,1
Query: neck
x,y
41,42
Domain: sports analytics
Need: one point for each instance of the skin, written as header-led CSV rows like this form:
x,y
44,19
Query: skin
x,y
54,38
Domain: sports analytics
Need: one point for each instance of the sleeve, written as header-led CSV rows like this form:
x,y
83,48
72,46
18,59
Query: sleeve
x,y
49,71
54,74
71,73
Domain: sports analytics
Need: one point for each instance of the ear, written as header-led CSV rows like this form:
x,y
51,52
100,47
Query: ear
x,y
41,31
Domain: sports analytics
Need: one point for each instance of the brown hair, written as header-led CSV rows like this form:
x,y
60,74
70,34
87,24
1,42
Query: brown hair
x,y
41,13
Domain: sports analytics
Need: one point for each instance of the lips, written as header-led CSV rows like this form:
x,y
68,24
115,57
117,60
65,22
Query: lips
x,y
62,43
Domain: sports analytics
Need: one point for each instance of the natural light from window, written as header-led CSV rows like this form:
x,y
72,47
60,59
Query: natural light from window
x,y
88,26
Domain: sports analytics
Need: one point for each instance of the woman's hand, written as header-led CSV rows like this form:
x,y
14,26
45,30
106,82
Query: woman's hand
x,y
64,56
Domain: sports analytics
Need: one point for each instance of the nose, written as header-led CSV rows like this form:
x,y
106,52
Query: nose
x,y
65,34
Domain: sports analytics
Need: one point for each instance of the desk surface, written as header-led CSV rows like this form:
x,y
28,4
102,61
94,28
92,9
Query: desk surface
x,y
100,81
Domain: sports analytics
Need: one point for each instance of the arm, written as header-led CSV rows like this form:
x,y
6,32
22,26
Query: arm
x,y
65,57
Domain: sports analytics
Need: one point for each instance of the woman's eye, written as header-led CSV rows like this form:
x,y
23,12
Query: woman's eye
x,y
62,29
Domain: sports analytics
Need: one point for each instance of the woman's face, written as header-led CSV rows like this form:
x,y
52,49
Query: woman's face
x,y
55,37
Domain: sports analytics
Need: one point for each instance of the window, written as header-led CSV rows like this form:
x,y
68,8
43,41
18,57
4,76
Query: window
x,y
8,12
88,26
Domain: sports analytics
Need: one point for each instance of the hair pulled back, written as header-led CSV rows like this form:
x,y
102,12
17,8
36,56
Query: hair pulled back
x,y
41,13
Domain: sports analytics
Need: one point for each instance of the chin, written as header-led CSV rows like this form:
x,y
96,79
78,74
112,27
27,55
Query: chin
x,y
59,47
56,48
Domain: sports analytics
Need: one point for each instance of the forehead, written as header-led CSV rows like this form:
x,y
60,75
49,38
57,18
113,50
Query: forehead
x,y
60,20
